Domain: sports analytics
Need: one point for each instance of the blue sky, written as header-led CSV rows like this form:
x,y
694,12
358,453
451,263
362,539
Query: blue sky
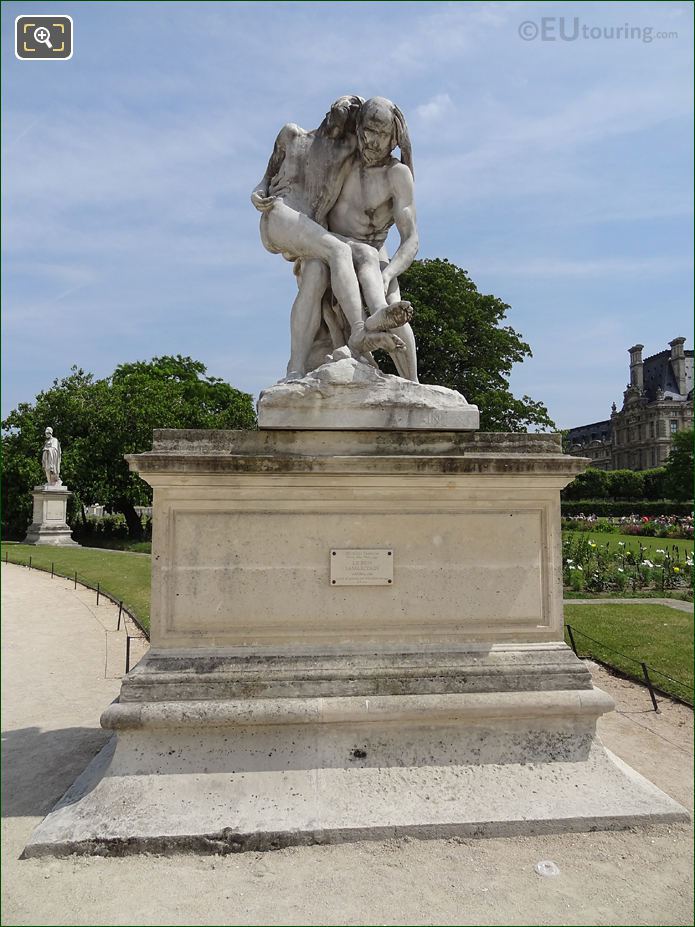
x,y
558,173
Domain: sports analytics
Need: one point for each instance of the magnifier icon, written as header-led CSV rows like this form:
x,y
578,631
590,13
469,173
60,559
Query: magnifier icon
x,y
43,36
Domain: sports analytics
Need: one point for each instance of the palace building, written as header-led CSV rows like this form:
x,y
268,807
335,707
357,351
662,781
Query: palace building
x,y
657,403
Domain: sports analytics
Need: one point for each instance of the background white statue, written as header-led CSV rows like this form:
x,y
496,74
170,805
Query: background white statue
x,y
50,458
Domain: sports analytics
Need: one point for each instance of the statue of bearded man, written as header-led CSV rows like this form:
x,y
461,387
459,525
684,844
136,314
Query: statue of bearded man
x,y
50,458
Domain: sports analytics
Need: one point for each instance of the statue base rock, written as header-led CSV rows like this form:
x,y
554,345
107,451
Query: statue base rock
x,y
348,394
288,699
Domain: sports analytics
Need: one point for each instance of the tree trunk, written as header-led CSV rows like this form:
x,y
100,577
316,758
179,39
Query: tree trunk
x,y
133,520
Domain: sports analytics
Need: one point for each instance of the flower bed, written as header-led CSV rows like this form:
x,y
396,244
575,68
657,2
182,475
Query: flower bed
x,y
658,526
614,567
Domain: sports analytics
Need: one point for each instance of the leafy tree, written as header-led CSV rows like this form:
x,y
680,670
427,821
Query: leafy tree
x,y
462,345
98,421
625,484
594,484
679,466
655,483
591,484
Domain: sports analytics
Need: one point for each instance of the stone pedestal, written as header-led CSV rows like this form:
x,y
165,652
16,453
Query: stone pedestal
x,y
286,701
49,525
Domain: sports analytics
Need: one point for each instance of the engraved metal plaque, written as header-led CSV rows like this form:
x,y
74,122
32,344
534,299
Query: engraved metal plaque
x,y
361,567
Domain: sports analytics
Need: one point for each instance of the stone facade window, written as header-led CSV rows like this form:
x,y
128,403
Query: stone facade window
x,y
674,425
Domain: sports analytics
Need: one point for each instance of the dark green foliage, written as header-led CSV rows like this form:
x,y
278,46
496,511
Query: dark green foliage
x,y
620,485
679,466
101,531
607,508
655,483
98,421
625,484
463,346
591,484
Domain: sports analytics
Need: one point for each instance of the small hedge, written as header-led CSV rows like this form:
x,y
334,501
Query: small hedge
x,y
618,484
97,529
606,508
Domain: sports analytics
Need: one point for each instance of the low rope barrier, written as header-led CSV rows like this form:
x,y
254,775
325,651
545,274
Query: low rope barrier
x,y
646,669
123,610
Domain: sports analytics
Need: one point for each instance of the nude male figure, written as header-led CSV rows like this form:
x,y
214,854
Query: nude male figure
x,y
378,193
301,184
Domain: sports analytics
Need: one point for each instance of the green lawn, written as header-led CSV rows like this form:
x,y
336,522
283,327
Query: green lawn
x,y
124,576
650,545
657,635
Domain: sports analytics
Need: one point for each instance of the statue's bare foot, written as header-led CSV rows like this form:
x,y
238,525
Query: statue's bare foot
x,y
364,341
291,376
389,317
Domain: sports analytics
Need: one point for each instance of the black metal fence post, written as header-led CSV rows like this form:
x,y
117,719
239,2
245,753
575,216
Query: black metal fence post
x,y
127,654
97,593
120,610
648,681
51,569
571,637
75,579
29,562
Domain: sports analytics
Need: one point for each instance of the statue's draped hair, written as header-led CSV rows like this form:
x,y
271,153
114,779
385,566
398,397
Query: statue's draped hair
x,y
353,102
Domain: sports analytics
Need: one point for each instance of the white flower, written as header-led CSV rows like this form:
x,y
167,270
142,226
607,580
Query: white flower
x,y
621,543
660,550
570,561
580,568
647,563
621,570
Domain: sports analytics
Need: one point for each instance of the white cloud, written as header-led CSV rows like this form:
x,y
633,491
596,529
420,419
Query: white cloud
x,y
436,108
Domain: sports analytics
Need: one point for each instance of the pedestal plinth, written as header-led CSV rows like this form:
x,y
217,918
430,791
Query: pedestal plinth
x,y
49,525
417,685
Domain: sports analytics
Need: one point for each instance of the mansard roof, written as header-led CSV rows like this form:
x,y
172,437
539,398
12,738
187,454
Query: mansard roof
x,y
658,374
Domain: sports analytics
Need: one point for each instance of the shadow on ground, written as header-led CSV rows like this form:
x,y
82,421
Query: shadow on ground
x,y
38,767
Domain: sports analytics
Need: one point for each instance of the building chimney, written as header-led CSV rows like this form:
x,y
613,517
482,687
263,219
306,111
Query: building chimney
x,y
636,367
678,363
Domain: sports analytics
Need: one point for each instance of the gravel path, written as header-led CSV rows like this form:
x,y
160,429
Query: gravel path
x,y
59,673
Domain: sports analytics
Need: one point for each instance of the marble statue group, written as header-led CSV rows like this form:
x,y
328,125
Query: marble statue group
x,y
327,200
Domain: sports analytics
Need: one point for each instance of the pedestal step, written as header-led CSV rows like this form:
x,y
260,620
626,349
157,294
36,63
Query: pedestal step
x,y
269,773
